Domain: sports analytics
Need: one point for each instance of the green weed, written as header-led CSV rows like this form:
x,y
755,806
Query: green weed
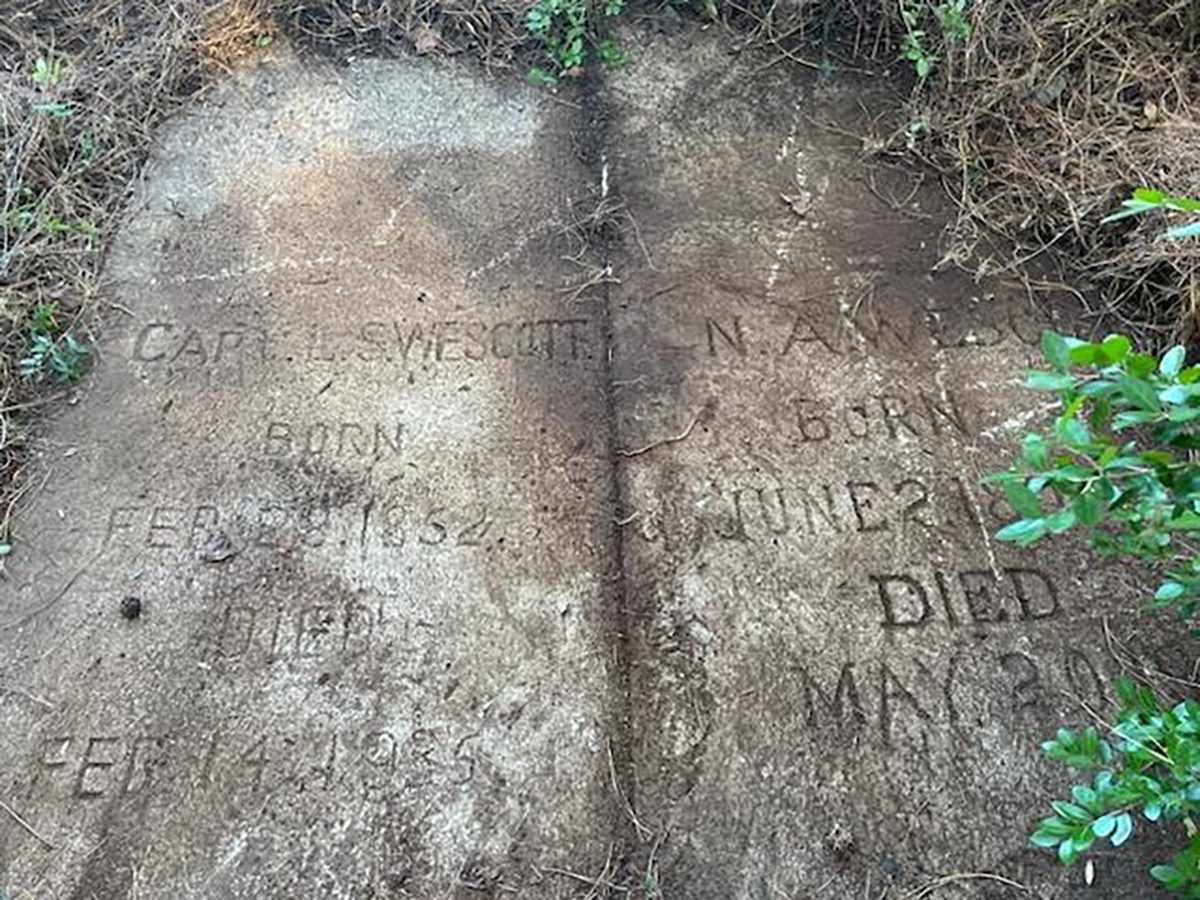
x,y
33,217
47,72
919,44
1144,200
567,30
53,108
51,349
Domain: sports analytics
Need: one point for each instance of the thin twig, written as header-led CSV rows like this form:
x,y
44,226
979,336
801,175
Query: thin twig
x,y
594,882
673,439
946,880
33,698
33,831
642,830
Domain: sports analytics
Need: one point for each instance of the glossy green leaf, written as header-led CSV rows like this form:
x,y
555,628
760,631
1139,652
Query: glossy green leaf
x,y
1139,365
1034,450
1192,229
1185,521
1179,393
1115,348
1056,350
1023,530
1169,590
1172,361
1129,419
1123,830
1024,501
1044,839
1089,507
1061,520
1086,354
1139,393
1104,826
1167,875
1071,812
1073,433
1049,381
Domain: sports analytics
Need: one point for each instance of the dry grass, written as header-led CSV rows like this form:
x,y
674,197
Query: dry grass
x,y
1043,119
1047,116
491,30
72,141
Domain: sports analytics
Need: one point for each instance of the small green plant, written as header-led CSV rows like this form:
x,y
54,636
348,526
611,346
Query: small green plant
x,y
952,19
566,30
918,45
610,53
53,108
51,349
32,217
1144,200
915,130
1117,463
47,72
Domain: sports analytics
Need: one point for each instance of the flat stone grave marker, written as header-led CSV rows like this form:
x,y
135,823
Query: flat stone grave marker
x,y
489,492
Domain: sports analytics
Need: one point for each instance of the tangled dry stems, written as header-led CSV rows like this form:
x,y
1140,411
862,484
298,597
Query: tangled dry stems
x,y
1043,119
1047,116
71,147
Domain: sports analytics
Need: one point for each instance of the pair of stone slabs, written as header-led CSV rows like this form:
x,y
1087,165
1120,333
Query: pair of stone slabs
x,y
522,489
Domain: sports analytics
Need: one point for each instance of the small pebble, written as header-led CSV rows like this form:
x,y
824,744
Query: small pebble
x,y
131,608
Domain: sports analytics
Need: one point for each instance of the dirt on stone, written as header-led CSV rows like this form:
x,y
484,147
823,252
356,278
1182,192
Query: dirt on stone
x,y
663,560
1040,122
708,506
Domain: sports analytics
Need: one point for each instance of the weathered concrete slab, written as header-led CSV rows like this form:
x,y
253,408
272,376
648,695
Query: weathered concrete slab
x,y
399,548
340,447
840,681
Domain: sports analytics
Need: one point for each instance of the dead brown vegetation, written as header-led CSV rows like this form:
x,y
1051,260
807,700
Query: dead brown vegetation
x,y
1047,116
1043,119
72,141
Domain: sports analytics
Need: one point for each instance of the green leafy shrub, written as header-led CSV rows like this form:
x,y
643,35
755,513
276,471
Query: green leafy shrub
x,y
566,30
1117,463
1117,460
1149,763
928,27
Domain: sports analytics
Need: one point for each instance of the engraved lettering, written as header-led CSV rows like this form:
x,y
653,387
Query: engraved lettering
x,y
731,334
904,600
100,755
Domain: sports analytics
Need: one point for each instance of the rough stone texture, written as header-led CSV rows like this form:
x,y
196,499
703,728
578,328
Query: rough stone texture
x,y
347,363
840,681
453,571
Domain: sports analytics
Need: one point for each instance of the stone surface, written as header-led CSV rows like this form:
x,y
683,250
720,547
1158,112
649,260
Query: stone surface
x,y
343,448
840,680
399,547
